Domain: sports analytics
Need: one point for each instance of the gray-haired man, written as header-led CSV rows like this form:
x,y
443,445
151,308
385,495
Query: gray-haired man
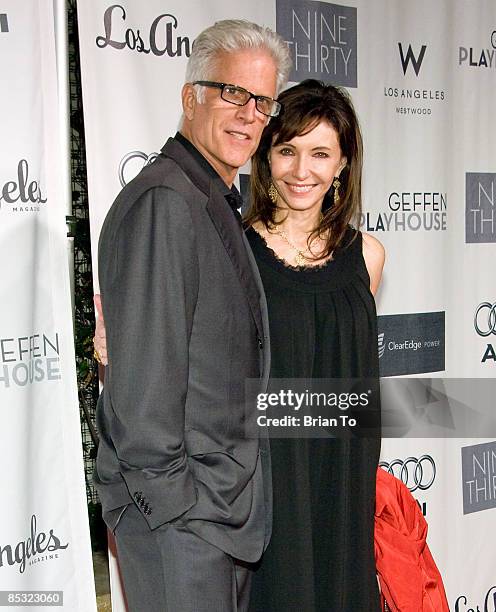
x,y
187,495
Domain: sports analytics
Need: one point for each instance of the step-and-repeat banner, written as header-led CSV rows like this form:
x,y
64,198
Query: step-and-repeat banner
x,y
422,75
45,551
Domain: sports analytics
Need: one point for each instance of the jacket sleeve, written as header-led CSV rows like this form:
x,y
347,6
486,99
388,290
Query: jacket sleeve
x,y
149,295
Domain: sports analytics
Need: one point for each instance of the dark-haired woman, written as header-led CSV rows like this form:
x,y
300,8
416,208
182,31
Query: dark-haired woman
x,y
319,277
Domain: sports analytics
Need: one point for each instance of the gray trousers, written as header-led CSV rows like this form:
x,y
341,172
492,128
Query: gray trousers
x,y
171,569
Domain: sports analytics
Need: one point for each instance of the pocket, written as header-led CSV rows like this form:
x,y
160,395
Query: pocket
x,y
199,444
113,517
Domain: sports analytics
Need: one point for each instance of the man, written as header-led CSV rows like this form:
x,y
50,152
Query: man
x,y
186,494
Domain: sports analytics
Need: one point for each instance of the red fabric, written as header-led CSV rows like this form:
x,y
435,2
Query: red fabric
x,y
409,578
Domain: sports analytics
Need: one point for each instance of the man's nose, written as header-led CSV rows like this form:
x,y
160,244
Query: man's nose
x,y
249,112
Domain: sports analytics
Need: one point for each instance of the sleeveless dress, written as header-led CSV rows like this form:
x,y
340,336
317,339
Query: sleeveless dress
x,y
322,324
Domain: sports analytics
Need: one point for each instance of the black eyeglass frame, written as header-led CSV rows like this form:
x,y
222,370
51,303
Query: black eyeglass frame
x,y
222,86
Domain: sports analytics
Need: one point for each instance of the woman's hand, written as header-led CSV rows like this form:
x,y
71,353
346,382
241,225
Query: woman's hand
x,y
100,337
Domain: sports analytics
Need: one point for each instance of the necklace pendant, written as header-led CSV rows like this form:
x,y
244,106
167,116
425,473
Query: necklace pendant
x,y
300,259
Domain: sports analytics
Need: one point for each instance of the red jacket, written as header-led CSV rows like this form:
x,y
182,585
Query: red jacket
x,y
409,578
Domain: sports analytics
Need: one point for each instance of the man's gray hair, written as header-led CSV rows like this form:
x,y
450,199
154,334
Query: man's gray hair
x,y
231,35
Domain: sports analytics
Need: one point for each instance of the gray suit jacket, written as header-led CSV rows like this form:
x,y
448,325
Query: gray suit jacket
x,y
186,325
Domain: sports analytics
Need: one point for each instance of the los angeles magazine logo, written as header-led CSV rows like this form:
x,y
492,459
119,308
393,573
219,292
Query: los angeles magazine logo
x,y
40,546
19,192
487,602
159,38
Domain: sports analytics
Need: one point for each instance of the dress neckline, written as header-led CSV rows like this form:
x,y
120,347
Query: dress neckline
x,y
337,272
283,262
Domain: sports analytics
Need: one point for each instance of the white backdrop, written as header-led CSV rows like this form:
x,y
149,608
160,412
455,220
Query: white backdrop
x,y
44,537
423,78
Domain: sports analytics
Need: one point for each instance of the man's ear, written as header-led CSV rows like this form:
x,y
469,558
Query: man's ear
x,y
188,97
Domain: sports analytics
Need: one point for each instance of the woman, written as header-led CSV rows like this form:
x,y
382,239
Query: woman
x,y
319,277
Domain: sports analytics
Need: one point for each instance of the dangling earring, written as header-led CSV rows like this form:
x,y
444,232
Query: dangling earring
x,y
273,195
336,183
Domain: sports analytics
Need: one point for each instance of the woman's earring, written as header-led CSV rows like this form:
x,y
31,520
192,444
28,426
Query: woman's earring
x,y
336,183
273,195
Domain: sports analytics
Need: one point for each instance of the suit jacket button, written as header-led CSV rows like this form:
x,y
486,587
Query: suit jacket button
x,y
260,342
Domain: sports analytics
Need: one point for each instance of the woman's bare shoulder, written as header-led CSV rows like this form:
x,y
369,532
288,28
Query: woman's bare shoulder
x,y
374,255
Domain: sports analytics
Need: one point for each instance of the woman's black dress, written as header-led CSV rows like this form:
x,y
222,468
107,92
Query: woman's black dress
x,y
321,555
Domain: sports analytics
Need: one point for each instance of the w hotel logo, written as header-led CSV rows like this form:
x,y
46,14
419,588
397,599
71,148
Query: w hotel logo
x,y
4,22
480,207
410,58
322,40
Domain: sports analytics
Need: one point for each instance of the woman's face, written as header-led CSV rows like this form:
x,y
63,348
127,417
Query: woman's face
x,y
303,169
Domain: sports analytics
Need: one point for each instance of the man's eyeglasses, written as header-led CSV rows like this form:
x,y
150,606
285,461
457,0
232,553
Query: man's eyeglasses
x,y
240,97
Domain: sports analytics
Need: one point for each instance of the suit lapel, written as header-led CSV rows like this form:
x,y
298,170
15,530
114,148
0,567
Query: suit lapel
x,y
265,371
231,235
225,223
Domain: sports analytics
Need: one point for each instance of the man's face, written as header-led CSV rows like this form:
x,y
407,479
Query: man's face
x,y
225,134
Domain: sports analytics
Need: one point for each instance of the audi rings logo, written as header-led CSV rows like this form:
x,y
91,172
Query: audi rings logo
x,y
415,473
132,163
485,319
